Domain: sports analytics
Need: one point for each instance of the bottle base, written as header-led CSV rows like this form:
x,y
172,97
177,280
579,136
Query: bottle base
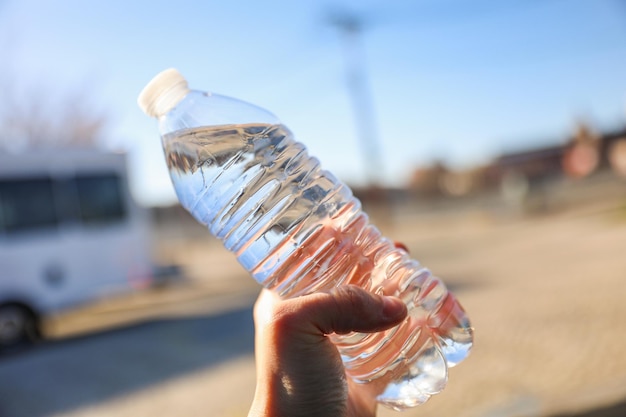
x,y
401,398
426,375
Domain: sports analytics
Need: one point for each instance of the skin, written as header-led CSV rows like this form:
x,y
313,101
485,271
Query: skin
x,y
299,370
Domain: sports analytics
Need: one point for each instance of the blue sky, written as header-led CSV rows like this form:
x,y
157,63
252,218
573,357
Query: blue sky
x,y
453,80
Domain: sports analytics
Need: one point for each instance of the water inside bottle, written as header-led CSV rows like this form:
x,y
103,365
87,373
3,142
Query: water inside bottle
x,y
297,229
258,191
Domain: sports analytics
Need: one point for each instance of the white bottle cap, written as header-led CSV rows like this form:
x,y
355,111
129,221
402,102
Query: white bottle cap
x,y
164,92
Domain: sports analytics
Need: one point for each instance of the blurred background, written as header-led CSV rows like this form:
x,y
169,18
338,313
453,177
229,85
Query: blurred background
x,y
488,136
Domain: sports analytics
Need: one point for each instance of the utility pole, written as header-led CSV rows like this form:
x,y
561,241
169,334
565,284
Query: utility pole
x,y
351,29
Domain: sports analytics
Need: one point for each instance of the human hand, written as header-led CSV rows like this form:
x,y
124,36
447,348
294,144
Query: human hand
x,y
299,370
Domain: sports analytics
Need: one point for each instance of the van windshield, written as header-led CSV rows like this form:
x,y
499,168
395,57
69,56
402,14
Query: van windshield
x,y
100,198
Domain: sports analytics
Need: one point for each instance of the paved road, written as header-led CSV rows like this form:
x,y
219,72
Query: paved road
x,y
61,376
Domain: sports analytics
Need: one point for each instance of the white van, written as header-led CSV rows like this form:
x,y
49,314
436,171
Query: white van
x,y
69,233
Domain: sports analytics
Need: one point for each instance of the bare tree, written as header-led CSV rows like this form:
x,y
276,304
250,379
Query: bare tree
x,y
34,114
39,118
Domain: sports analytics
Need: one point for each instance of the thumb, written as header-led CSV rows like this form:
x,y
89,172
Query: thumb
x,y
347,309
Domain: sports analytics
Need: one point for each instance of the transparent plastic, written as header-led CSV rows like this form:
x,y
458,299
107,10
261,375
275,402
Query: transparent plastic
x,y
297,229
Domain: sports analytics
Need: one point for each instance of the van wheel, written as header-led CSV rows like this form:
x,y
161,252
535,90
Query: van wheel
x,y
17,325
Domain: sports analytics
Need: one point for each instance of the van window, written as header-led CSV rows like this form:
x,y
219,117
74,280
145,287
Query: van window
x,y
100,198
39,203
27,204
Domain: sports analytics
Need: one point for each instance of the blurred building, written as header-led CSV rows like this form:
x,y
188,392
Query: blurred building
x,y
583,154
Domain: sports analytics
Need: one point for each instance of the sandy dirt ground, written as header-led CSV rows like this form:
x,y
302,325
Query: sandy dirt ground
x,y
546,294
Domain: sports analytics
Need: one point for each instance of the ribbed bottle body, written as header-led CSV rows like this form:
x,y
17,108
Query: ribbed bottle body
x,y
297,230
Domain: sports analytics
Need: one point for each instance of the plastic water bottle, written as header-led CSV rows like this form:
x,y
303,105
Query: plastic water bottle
x,y
297,230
